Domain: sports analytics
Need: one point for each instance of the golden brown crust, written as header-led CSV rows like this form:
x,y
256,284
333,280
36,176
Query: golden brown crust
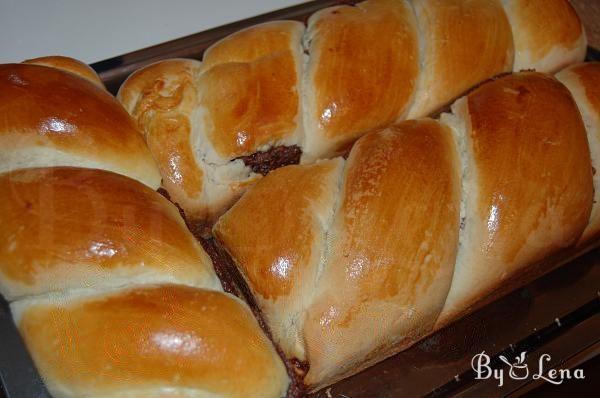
x,y
169,140
54,118
464,43
275,233
362,71
390,262
151,339
253,43
199,118
250,105
282,205
548,34
162,98
250,90
583,80
70,65
81,228
589,77
159,87
530,188
539,117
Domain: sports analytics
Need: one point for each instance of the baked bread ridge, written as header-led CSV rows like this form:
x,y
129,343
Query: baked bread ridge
x,y
70,65
277,94
583,81
542,45
298,201
247,89
391,249
359,188
70,228
528,188
471,39
250,91
54,117
361,72
514,214
161,98
98,236
161,340
112,293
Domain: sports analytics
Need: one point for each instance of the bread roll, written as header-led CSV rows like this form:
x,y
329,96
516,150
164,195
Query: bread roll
x,y
415,236
260,103
157,341
361,73
327,261
548,34
111,292
527,186
583,80
69,228
350,261
54,118
115,298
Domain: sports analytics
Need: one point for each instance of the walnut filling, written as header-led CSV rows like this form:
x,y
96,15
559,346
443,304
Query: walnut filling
x,y
233,282
274,158
231,279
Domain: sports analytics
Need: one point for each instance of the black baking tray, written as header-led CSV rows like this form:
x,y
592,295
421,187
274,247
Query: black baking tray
x,y
557,314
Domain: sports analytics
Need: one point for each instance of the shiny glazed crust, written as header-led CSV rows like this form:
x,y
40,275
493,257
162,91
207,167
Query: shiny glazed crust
x,y
250,90
350,248
583,80
55,118
67,228
166,340
361,73
528,189
411,246
463,44
111,292
391,252
294,201
548,34
353,69
347,209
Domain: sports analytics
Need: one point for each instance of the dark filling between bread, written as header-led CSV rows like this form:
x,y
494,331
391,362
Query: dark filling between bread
x,y
274,158
231,279
233,282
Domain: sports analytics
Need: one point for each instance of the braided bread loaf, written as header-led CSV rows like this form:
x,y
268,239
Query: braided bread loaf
x,y
112,294
354,260
279,93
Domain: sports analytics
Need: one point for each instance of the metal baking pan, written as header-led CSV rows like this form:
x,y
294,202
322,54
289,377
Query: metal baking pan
x,y
557,314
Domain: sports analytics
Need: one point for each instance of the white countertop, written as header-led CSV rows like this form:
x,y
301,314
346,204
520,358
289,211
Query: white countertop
x,y
94,30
